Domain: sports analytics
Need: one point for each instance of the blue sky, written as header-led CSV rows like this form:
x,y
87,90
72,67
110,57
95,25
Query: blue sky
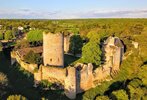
x,y
66,9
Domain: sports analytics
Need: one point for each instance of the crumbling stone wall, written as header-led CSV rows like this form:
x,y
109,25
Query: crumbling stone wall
x,y
114,50
26,66
75,79
81,77
84,77
64,76
70,83
53,49
66,43
52,74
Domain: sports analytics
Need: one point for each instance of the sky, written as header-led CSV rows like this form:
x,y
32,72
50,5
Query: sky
x,y
72,9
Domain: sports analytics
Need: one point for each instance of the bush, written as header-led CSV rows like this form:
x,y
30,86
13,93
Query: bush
x,y
45,84
22,44
32,57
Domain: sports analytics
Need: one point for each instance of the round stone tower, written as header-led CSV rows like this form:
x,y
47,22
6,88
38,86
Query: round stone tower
x,y
53,49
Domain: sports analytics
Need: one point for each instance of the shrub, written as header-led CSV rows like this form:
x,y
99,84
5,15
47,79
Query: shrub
x,y
32,57
22,44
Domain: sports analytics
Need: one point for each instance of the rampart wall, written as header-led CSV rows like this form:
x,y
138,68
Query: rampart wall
x,y
26,66
75,79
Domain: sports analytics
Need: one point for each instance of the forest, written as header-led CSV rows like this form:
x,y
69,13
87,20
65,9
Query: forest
x,y
129,84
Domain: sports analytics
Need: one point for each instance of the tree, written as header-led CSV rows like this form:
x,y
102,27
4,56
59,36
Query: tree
x,y
137,29
142,74
91,52
1,46
119,95
136,89
16,97
102,98
93,36
9,35
1,35
22,44
76,44
32,57
35,35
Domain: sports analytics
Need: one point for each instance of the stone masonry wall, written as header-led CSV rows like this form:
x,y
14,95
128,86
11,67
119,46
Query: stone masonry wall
x,y
66,43
75,79
26,66
53,49
52,74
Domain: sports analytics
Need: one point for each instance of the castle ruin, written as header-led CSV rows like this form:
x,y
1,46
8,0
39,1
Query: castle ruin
x,y
113,50
80,77
53,49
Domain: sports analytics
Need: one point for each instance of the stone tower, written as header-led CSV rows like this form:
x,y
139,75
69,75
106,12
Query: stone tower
x,y
66,43
53,49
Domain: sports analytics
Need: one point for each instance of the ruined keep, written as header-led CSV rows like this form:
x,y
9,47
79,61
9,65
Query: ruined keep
x,y
113,50
53,49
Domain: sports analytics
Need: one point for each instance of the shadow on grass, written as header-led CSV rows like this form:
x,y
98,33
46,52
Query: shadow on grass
x,y
21,82
69,59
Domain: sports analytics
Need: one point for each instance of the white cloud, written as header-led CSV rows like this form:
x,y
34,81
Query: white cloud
x,y
36,14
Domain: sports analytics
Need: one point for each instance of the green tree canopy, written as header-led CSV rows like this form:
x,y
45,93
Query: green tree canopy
x,y
137,29
9,35
35,35
16,97
119,95
1,46
76,44
91,52
1,35
136,89
32,57
102,98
